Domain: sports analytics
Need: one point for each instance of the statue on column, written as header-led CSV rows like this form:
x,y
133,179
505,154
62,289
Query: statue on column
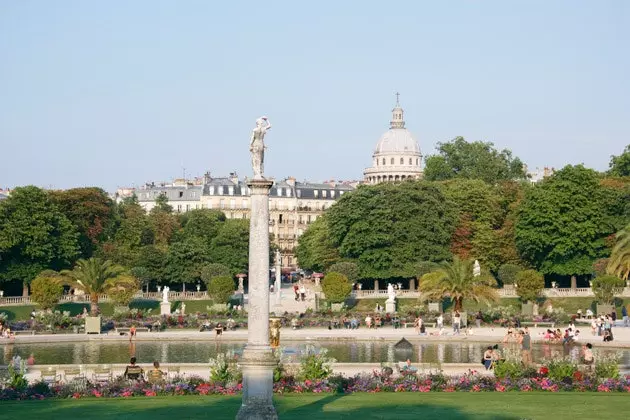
x,y
391,293
165,294
257,146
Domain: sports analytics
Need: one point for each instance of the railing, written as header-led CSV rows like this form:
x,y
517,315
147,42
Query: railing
x,y
172,296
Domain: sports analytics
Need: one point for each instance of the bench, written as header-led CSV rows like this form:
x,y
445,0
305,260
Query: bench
x,y
426,324
24,332
125,330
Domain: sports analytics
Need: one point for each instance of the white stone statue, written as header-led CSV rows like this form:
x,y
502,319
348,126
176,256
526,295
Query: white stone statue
x,y
165,294
476,269
391,293
257,146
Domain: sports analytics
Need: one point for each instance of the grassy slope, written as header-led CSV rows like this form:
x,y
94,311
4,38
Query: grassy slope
x,y
358,406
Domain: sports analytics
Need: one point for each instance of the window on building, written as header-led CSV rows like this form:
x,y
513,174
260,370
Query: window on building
x,y
289,260
308,219
340,192
222,203
179,208
288,192
391,161
383,161
332,193
231,215
244,204
187,207
279,192
231,190
232,203
244,216
417,161
324,193
181,194
402,161
299,193
316,193
220,190
280,218
210,204
410,161
211,190
196,206
300,219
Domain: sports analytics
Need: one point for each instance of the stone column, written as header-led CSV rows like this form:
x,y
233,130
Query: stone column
x,y
258,361
412,285
278,284
376,285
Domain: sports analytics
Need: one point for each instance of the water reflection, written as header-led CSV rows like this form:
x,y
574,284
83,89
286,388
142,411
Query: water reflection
x,y
201,351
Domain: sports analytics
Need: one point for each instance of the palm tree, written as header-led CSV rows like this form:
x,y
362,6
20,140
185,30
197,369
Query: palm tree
x,y
456,280
96,276
619,264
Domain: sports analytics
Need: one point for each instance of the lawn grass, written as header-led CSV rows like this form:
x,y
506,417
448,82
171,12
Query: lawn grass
x,y
404,406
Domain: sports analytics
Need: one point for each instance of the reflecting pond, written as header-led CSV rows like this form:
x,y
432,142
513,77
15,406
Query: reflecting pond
x,y
93,352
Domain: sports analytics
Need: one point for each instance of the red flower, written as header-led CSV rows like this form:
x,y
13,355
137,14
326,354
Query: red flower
x,y
543,371
578,376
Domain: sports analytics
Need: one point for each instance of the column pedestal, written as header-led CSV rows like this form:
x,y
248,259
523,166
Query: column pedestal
x,y
165,308
258,361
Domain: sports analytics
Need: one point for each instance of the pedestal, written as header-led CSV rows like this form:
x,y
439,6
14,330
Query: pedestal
x,y
165,308
258,361
390,307
93,325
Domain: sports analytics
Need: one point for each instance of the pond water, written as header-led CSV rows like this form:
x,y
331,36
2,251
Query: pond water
x,y
95,352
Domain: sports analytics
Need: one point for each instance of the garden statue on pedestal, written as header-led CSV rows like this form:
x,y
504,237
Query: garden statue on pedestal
x,y
257,146
390,303
165,305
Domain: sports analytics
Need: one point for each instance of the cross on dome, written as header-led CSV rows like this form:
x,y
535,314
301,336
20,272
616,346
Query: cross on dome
x,y
397,115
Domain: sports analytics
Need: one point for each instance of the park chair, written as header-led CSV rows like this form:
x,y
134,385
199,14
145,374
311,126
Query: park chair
x,y
134,373
50,376
173,372
102,375
73,374
156,376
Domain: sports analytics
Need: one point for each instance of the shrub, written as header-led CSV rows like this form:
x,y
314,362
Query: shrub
x,y
315,365
210,271
607,367
507,273
221,289
529,284
606,287
46,289
561,369
336,287
348,269
223,370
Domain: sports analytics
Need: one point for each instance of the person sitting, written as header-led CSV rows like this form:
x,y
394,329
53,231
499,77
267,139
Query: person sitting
x,y
295,323
230,324
548,335
377,321
368,321
219,329
589,314
487,358
155,375
407,368
354,323
133,372
587,354
608,336
346,322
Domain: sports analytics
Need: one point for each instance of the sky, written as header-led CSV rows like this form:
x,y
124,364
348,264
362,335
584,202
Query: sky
x,y
118,93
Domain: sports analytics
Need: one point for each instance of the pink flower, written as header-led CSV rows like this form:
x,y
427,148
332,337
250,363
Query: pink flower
x,y
76,395
499,388
476,388
603,388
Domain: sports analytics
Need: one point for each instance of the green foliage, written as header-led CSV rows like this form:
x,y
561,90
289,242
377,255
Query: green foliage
x,y
150,264
507,273
231,245
561,227
388,228
315,366
223,370
34,235
348,269
210,271
336,287
201,223
620,165
476,160
316,250
607,367
560,368
163,224
90,210
425,267
161,204
619,263
95,276
509,369
123,294
530,283
221,289
455,280
46,289
605,288
17,377
185,259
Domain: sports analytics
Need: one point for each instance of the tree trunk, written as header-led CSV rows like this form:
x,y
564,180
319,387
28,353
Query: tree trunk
x,y
459,304
94,304
25,289
573,282
183,287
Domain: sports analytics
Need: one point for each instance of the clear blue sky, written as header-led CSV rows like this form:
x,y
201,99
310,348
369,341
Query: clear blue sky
x,y
117,93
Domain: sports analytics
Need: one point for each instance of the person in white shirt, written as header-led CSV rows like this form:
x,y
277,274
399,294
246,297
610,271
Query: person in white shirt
x,y
440,322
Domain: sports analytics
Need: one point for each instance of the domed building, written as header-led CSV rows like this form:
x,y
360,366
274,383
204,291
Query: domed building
x,y
397,154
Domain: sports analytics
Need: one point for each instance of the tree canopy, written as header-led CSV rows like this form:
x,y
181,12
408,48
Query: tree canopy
x,y
34,235
620,165
477,160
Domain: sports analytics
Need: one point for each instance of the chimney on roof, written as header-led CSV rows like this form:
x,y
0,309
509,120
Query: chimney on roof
x,y
234,177
291,181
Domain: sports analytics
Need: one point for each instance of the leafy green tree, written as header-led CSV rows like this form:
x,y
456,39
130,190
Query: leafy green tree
x,y
210,271
201,223
619,263
34,235
161,204
230,246
185,259
561,227
336,287
46,289
163,224
95,276
605,288
388,228
316,250
348,269
529,284
221,289
90,210
456,280
507,273
150,264
122,296
476,160
620,165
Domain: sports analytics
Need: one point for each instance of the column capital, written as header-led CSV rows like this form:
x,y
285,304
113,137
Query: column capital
x,y
259,186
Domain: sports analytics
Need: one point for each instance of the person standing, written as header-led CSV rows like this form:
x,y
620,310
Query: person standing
x,y
624,315
456,322
303,292
440,322
296,290
526,347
